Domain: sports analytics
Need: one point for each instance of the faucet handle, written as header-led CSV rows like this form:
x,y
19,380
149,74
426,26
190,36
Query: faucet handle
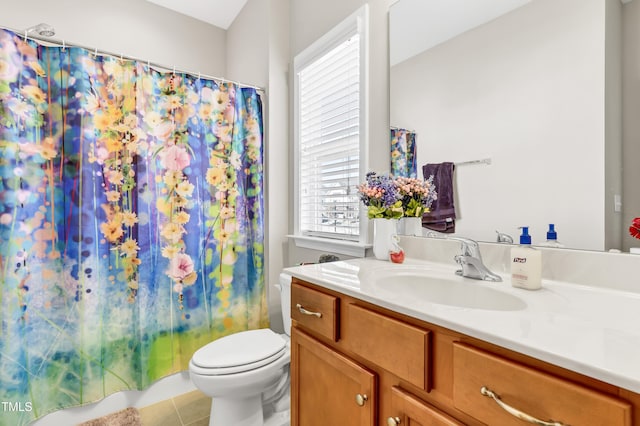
x,y
469,246
504,238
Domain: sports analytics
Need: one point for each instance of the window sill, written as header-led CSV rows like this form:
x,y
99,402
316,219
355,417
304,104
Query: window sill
x,y
347,248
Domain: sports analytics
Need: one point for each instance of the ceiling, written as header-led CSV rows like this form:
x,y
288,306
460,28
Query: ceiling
x,y
220,13
418,25
436,22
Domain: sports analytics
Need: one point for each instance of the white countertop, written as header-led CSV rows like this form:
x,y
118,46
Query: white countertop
x,y
590,330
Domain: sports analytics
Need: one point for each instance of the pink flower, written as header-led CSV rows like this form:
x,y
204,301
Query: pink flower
x,y
181,265
175,158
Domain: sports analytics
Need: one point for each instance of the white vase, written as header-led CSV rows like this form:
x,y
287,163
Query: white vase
x,y
385,236
410,226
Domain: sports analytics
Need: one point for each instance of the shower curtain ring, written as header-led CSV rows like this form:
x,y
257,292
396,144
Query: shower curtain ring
x,y
64,46
174,70
95,54
26,33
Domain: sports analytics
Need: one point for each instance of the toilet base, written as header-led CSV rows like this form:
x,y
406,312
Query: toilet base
x,y
236,411
271,408
280,418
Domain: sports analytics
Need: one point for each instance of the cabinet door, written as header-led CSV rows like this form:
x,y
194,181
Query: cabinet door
x,y
407,410
327,388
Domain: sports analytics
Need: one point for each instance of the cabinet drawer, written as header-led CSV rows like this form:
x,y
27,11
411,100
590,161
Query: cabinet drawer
x,y
407,409
315,310
537,394
399,348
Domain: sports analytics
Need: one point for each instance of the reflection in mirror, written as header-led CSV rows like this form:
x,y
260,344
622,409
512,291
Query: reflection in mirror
x,y
543,89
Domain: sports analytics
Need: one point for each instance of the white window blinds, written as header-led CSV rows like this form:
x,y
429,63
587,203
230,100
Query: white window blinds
x,y
329,143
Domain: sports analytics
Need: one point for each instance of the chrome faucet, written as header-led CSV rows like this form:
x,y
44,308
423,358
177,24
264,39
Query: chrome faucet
x,y
471,261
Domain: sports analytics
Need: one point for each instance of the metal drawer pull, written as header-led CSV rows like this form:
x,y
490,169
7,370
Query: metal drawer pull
x,y
304,311
515,412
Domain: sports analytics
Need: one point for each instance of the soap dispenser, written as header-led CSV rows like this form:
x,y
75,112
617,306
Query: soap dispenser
x,y
552,238
526,264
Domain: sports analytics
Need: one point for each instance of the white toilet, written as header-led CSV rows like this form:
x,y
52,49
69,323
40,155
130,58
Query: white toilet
x,y
247,373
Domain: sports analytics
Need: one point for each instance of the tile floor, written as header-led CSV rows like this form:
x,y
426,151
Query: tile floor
x,y
190,409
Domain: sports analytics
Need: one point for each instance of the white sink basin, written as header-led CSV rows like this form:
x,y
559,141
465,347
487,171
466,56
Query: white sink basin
x,y
409,285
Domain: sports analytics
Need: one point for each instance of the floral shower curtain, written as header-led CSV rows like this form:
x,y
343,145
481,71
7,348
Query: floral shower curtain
x,y
403,153
131,223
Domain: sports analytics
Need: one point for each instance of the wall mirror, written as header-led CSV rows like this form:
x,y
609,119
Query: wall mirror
x,y
539,88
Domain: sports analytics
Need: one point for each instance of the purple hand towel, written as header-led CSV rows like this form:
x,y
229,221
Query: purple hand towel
x,y
442,217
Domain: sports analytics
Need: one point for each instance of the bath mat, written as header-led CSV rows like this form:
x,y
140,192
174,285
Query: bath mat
x,y
126,417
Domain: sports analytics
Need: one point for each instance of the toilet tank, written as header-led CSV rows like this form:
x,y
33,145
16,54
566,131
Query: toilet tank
x,y
285,301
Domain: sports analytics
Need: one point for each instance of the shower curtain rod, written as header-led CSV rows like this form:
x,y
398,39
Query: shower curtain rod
x,y
96,52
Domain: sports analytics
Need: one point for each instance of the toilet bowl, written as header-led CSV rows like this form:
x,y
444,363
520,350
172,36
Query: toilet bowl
x,y
244,371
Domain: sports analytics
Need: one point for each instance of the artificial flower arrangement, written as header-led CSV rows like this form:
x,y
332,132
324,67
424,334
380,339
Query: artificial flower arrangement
x,y
387,197
381,196
417,195
634,229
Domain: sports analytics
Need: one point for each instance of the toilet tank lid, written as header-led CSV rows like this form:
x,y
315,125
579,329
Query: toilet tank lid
x,y
241,348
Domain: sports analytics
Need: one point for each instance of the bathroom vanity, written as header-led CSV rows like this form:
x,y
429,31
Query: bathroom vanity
x,y
370,348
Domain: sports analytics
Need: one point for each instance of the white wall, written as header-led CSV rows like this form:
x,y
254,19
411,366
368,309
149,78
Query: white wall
x,y
134,28
533,102
278,161
248,44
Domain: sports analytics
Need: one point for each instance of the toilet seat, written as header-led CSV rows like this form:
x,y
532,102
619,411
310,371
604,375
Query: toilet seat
x,y
239,352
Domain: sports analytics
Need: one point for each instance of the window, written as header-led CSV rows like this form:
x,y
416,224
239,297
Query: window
x,y
330,117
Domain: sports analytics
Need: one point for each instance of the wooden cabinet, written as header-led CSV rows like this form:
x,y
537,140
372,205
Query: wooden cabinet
x,y
355,363
328,388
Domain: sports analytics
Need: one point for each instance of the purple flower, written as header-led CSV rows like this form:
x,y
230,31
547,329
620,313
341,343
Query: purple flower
x,y
379,191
